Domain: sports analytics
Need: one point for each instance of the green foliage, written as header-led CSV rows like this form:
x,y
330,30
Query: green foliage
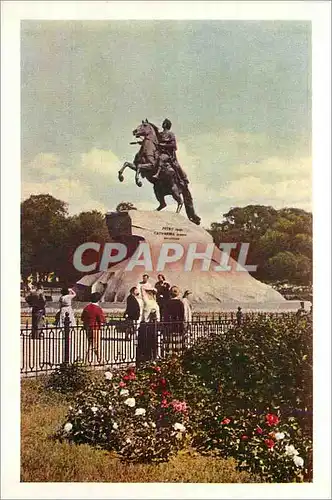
x,y
69,378
50,237
271,232
266,360
263,443
125,206
246,394
133,414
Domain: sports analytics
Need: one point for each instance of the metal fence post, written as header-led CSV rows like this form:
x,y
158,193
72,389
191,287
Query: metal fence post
x,y
66,352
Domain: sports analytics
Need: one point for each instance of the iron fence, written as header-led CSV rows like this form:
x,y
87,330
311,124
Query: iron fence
x,y
119,342
116,343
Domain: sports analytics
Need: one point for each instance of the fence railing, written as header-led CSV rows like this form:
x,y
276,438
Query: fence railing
x,y
118,342
114,344
196,316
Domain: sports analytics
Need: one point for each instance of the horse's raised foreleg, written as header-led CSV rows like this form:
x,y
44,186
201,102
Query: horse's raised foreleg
x,y
125,165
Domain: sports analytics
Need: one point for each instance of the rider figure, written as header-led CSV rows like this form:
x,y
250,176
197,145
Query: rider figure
x,y
168,147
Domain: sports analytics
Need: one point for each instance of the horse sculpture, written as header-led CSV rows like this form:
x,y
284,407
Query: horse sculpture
x,y
145,164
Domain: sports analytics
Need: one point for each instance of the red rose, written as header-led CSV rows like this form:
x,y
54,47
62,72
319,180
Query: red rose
x,y
271,419
163,381
269,443
153,386
244,437
164,403
259,430
225,421
157,369
166,393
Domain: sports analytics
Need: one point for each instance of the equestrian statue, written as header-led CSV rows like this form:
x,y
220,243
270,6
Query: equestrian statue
x,y
156,161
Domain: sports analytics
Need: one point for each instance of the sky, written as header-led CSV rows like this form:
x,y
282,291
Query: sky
x,y
237,92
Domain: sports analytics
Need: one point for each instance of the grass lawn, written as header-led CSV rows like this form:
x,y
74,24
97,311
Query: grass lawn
x,y
45,460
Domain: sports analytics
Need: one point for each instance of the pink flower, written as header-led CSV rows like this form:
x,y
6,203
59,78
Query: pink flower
x,y
164,403
122,384
271,419
225,421
269,443
180,406
157,369
259,430
244,437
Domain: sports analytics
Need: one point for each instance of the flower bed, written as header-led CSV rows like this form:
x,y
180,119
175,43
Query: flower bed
x,y
238,395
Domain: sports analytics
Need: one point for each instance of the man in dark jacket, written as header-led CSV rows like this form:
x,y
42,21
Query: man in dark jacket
x,y
37,302
133,311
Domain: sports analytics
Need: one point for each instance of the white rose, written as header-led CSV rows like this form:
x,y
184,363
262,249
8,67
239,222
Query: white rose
x,y
140,411
108,375
179,427
298,461
68,427
115,426
291,451
124,392
130,402
94,409
279,435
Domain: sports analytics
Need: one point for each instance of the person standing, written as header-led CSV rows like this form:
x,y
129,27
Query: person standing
x,y
187,307
148,328
174,317
239,316
163,295
93,318
144,285
67,295
37,302
133,311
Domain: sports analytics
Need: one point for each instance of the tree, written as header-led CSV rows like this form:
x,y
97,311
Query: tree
x,y
83,228
43,233
125,206
294,267
270,232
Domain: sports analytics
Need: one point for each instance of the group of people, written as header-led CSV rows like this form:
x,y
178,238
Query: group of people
x,y
159,302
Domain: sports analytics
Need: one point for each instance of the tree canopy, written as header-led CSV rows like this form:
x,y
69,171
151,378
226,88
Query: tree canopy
x,y
280,240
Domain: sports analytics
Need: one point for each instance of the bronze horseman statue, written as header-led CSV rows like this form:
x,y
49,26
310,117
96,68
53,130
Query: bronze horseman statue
x,y
156,161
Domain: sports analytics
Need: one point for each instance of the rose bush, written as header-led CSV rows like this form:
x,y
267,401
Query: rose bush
x,y
266,361
140,414
263,443
244,394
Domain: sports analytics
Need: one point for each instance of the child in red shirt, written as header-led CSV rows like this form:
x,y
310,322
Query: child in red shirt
x,y
93,318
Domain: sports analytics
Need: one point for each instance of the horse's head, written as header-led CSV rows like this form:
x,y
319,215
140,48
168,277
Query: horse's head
x,y
145,130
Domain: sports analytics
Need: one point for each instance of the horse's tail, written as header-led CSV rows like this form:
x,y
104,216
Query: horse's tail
x,y
189,205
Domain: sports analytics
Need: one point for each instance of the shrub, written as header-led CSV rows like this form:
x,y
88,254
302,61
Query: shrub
x,y
133,413
263,443
69,378
265,362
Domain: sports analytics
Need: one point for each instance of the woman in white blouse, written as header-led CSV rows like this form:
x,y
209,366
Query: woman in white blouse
x,y
67,295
